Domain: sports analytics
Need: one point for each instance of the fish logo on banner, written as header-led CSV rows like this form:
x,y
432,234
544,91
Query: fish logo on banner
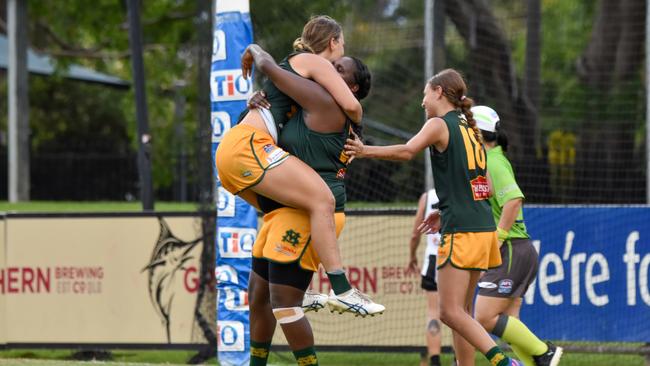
x,y
170,257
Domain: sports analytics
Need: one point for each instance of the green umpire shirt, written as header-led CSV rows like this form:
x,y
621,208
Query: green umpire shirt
x,y
505,189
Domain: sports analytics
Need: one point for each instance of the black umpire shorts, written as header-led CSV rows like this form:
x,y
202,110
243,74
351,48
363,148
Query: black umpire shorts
x,y
516,272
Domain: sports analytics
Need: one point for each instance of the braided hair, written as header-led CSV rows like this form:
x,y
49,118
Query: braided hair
x,y
454,89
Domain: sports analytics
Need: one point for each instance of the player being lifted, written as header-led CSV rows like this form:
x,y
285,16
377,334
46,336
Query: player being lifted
x,y
283,261
250,163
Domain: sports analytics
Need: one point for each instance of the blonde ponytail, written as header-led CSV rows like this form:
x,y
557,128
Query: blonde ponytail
x,y
301,46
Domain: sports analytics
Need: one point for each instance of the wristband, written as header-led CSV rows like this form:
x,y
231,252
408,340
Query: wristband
x,y
502,234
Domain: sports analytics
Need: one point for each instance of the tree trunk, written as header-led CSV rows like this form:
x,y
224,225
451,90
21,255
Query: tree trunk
x,y
610,69
493,81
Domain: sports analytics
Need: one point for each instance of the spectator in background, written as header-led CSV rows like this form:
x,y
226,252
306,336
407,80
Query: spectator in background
x,y
428,203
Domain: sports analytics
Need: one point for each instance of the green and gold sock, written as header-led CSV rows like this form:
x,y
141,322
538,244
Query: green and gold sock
x,y
496,357
306,357
259,353
513,331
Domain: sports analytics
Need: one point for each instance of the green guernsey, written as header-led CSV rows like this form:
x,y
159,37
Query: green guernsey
x,y
323,152
460,177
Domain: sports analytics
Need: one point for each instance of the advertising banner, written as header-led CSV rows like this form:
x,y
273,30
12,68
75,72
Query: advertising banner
x,y
101,280
3,331
237,221
592,283
134,279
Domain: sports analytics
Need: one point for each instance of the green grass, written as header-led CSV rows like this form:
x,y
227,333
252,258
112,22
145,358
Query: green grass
x,y
92,206
122,357
407,359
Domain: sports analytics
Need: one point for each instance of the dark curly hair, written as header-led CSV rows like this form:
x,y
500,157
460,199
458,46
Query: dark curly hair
x,y
362,78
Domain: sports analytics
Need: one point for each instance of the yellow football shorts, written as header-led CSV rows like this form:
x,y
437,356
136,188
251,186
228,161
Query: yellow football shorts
x,y
474,251
244,155
285,236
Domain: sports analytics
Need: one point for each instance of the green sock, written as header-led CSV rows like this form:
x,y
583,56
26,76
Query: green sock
x,y
306,357
259,353
339,281
496,357
513,331
522,356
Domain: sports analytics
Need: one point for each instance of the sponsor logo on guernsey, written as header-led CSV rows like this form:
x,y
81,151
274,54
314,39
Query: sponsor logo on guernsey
x,y
505,286
480,188
341,173
343,158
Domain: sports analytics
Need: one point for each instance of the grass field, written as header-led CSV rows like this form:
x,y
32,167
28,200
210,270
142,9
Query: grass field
x,y
120,357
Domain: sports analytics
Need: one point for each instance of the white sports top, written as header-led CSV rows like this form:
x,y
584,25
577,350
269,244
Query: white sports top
x,y
433,240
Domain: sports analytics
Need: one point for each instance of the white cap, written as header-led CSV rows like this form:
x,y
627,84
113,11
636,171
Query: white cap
x,y
486,118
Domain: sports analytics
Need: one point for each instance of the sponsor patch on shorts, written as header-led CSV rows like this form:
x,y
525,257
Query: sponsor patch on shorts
x,y
285,250
274,155
505,286
487,285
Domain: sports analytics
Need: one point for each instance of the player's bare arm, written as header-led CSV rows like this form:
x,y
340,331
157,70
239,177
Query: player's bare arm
x,y
322,71
434,132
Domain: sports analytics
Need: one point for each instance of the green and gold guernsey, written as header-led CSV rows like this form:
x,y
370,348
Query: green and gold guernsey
x,y
460,177
323,152
282,106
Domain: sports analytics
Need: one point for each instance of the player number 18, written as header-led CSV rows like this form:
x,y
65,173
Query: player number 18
x,y
475,153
